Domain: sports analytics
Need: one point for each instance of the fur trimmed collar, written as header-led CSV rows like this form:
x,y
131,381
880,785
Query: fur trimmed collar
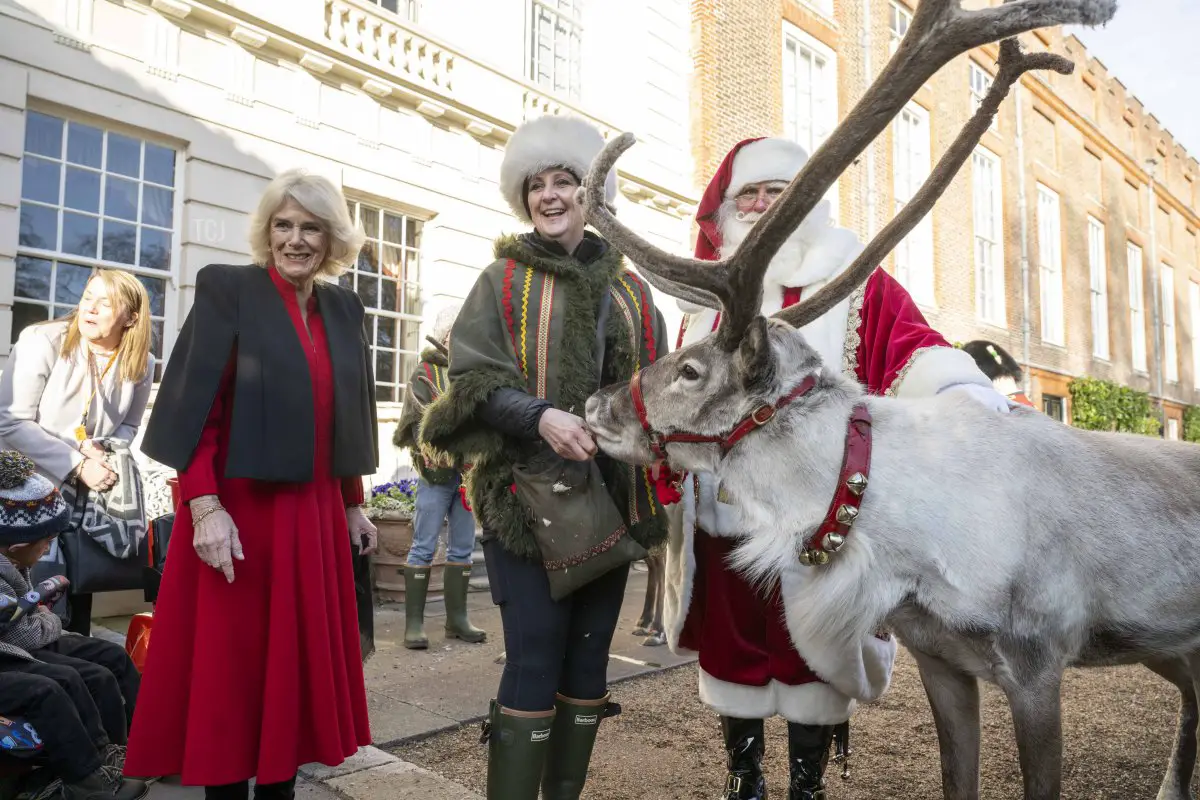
x,y
533,251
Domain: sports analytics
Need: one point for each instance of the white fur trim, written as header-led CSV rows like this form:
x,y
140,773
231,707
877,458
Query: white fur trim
x,y
932,369
545,142
813,703
774,159
680,568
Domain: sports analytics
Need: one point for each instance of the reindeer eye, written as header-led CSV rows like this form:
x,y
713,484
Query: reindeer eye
x,y
689,372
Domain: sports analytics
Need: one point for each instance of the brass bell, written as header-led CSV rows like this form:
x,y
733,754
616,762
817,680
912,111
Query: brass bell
x,y
857,484
819,558
806,557
834,542
846,515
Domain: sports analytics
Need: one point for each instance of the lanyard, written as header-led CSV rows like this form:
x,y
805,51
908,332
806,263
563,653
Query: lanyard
x,y
81,430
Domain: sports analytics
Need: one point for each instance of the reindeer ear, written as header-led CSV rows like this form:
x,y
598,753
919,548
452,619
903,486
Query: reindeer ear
x,y
756,358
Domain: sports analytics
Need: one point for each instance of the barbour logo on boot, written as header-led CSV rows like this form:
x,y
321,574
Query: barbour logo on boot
x,y
587,719
420,575
540,736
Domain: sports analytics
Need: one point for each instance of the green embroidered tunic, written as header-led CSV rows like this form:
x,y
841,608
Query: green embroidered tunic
x,y
529,323
427,383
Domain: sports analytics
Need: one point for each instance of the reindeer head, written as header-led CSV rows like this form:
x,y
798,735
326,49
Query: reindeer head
x,y
748,361
702,393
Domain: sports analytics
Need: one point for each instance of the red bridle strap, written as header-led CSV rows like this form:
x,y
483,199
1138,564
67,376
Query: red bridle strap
x,y
754,420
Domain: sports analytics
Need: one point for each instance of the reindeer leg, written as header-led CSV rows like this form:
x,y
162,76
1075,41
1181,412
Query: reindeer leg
x,y
1035,700
655,588
1177,781
644,621
954,700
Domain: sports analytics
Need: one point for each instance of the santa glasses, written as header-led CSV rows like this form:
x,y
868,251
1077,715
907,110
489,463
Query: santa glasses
x,y
754,193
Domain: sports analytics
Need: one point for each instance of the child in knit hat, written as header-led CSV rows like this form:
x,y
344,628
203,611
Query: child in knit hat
x,y
32,514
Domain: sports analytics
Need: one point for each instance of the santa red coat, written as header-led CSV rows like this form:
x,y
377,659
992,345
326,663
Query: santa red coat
x,y
748,666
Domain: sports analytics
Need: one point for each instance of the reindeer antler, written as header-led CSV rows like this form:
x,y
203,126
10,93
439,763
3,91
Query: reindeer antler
x,y
1012,65
940,31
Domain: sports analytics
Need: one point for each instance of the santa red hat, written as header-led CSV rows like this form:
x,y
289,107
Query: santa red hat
x,y
750,161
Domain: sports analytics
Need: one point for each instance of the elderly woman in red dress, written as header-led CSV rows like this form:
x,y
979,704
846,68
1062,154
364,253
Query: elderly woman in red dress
x,y
267,410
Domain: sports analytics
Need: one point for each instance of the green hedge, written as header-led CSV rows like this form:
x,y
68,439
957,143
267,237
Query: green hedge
x,y
1191,424
1100,405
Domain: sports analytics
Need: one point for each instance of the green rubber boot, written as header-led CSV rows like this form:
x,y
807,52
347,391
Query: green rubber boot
x,y
456,579
576,723
416,586
518,742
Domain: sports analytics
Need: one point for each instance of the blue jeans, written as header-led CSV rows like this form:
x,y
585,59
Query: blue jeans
x,y
436,502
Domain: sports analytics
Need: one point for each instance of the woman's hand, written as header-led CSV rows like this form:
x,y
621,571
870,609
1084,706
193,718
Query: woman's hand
x,y
214,536
566,434
96,475
92,450
362,531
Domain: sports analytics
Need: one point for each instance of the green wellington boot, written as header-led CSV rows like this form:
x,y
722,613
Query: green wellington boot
x,y
416,586
576,723
456,578
518,742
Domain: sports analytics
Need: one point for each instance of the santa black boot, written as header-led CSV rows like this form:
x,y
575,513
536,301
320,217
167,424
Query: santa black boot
x,y
744,755
808,752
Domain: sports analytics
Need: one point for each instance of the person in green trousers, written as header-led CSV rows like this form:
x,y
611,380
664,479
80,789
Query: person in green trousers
x,y
438,499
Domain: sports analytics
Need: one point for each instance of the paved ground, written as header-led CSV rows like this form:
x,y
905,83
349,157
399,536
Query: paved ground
x,y
415,694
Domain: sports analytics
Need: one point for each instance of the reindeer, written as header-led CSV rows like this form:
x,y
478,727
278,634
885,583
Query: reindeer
x,y
1002,547
650,623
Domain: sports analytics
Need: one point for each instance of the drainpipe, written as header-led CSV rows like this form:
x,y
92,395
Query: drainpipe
x,y
864,38
1023,216
1155,307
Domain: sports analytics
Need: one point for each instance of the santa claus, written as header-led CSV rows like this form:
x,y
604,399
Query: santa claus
x,y
749,669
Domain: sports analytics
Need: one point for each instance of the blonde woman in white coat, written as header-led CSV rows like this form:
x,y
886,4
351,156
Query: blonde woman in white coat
x,y
83,377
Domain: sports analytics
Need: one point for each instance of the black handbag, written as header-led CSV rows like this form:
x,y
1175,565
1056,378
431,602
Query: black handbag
x,y
578,528
158,539
90,567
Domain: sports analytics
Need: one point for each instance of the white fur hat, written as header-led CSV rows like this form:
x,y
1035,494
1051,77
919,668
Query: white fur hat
x,y
545,142
444,321
773,159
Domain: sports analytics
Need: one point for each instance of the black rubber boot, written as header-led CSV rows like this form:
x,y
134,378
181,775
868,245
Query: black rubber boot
x,y
284,790
576,723
808,753
416,586
517,745
743,758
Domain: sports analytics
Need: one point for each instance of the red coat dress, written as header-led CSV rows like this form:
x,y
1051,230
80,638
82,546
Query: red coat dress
x,y
254,678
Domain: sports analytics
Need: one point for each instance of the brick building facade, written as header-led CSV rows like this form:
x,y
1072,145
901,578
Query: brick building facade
x,y
1071,292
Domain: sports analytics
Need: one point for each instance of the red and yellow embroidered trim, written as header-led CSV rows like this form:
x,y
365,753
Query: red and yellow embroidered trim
x,y
523,355
510,267
647,322
543,333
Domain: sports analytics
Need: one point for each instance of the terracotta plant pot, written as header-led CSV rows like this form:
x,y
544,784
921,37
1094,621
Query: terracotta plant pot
x,y
395,536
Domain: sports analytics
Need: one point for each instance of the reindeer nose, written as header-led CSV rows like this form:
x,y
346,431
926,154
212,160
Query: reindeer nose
x,y
591,407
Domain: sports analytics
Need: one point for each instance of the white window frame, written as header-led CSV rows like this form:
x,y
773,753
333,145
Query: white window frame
x,y
166,321
1050,260
1170,346
809,117
979,82
1194,307
1137,307
1098,281
404,359
407,10
911,164
899,21
555,13
988,236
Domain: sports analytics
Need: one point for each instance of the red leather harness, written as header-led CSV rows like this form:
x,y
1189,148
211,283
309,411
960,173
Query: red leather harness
x,y
852,479
752,421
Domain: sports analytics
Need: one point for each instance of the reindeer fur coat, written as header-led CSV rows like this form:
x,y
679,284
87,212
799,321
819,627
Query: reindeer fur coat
x,y
427,383
529,323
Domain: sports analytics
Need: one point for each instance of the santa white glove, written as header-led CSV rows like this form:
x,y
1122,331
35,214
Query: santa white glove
x,y
984,395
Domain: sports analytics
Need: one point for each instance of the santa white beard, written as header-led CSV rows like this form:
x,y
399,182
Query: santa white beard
x,y
814,252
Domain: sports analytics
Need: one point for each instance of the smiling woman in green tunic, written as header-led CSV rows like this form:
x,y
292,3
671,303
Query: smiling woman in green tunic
x,y
522,365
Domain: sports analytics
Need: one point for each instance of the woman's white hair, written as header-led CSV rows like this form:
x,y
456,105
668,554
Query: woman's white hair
x,y
319,197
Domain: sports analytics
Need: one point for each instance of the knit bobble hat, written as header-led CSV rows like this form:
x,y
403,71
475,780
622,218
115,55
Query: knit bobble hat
x,y
31,509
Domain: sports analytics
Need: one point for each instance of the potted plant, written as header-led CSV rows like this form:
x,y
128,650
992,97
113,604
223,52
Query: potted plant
x,y
391,507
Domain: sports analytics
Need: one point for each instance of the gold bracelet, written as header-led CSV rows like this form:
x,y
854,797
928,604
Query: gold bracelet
x,y
205,514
